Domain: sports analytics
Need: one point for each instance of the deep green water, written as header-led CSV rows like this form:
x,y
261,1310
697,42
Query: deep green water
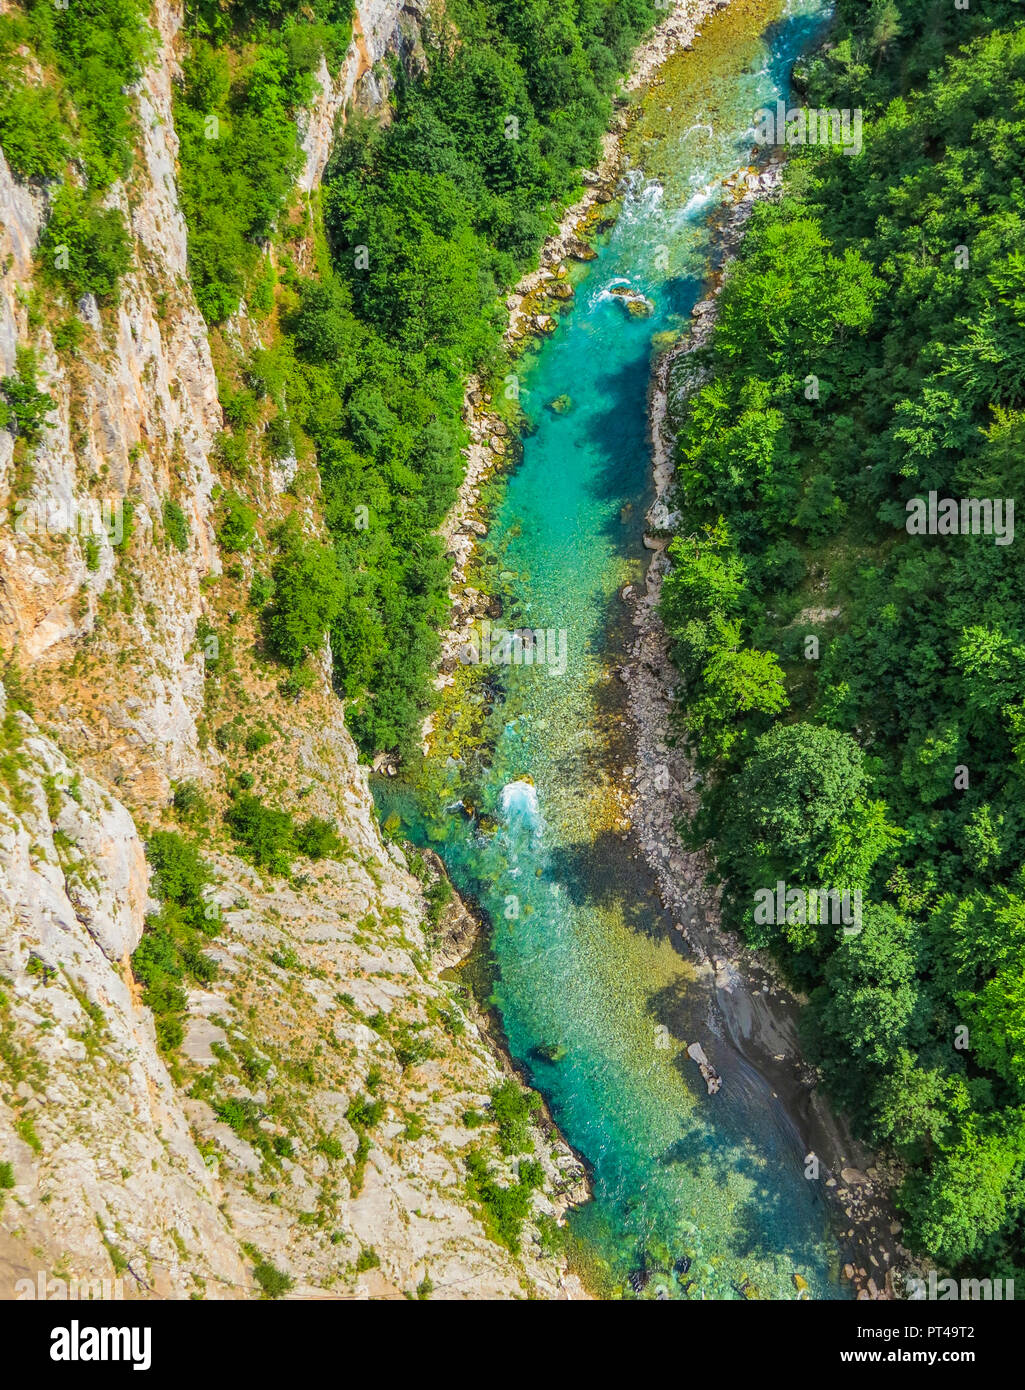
x,y
582,954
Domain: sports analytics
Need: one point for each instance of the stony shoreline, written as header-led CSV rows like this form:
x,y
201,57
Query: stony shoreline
x,y
540,291
750,1009
458,932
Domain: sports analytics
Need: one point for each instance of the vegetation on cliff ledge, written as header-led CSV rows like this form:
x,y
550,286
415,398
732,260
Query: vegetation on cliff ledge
x,y
382,294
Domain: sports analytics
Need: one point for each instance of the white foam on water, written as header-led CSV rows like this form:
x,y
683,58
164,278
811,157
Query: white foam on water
x,y
697,200
518,801
604,294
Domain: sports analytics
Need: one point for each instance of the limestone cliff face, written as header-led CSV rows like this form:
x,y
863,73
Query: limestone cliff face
x,y
104,1164
380,28
322,990
251,1144
137,414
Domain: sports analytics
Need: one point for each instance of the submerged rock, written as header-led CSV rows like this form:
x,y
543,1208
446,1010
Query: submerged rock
x,y
637,305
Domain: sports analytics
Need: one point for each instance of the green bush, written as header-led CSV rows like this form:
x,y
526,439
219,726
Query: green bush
x,y
23,407
411,1046
531,1173
266,835
308,596
176,524
127,525
69,335
272,1281
180,873
504,1209
261,590
511,1109
236,529
258,739
271,838
318,839
364,1113
233,452
438,894
239,156
84,248
551,1235
170,951
190,805
30,127
170,1031
298,681
99,59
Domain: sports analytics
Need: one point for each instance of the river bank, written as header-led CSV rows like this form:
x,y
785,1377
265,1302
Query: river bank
x,y
533,305
749,1006
695,1196
454,940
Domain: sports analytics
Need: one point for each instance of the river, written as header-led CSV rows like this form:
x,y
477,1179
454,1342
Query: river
x,y
596,999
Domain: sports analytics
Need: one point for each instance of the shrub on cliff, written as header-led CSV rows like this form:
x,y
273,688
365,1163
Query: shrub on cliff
x,y
23,407
170,952
271,838
30,133
511,1109
308,596
236,529
85,248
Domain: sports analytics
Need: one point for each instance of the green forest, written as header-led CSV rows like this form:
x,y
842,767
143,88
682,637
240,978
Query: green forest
x,y
422,222
855,693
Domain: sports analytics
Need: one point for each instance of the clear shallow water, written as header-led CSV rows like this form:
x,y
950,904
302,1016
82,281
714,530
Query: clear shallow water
x,y
595,1001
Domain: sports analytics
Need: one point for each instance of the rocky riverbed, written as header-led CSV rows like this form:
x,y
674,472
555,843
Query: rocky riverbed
x,y
533,306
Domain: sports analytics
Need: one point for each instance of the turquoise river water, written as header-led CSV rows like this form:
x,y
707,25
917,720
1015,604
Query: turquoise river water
x,y
595,1000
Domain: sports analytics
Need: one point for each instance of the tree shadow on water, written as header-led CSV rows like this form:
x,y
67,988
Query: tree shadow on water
x,y
600,876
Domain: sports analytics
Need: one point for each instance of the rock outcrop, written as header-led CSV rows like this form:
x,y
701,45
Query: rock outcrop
x,y
316,1119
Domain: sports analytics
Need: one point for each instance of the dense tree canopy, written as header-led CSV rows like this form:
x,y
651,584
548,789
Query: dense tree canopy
x,y
870,350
